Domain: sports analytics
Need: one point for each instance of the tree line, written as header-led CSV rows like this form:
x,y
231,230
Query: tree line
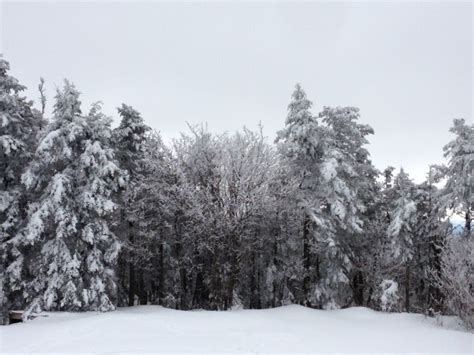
x,y
94,217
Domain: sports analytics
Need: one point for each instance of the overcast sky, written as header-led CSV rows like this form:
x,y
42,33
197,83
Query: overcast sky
x,y
407,66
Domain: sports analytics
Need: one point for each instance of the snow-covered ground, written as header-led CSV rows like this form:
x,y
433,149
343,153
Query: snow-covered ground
x,y
290,329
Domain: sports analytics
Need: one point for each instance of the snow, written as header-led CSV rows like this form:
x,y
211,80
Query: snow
x,y
328,170
288,329
9,144
389,297
5,200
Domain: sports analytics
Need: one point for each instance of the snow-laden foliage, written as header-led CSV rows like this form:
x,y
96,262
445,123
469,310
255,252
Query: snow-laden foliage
x,y
333,169
231,176
400,229
399,249
430,231
129,140
456,277
92,218
458,193
19,128
67,235
388,295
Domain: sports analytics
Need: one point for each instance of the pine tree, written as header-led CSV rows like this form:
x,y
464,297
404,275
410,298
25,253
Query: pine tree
x,y
400,231
129,142
335,176
454,278
162,247
344,188
220,221
430,234
372,251
300,145
71,251
19,127
458,193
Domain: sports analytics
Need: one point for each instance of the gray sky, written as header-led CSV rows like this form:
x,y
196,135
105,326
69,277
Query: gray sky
x,y
407,66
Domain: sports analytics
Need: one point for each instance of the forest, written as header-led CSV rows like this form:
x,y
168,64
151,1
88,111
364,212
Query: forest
x,y
95,217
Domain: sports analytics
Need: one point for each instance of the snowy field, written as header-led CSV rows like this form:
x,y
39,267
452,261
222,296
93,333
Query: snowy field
x,y
290,329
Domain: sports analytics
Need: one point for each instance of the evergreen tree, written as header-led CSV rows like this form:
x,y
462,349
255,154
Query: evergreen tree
x,y
430,233
453,275
400,232
300,145
69,252
374,247
458,193
19,127
162,247
129,142
335,175
345,187
219,221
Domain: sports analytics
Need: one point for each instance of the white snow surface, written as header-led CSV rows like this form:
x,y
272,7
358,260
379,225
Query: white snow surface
x,y
289,329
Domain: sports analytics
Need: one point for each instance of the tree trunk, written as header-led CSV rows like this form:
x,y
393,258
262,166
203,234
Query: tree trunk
x,y
467,225
306,262
435,300
161,290
407,288
131,286
253,282
198,291
358,288
276,266
131,270
142,290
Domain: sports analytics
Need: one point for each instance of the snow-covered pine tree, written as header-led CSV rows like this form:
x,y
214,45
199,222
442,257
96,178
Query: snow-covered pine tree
x,y
458,193
344,187
299,143
400,232
71,252
129,141
19,127
430,234
283,243
162,247
335,174
372,249
361,199
455,276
